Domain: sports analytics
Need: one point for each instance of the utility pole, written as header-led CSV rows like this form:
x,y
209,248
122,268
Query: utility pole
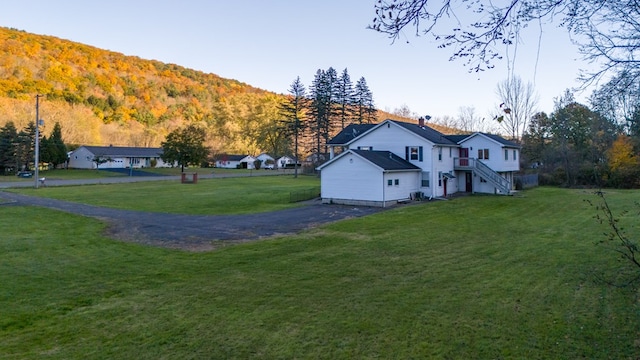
x,y
37,140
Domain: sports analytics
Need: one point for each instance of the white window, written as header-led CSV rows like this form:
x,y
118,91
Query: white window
x,y
425,179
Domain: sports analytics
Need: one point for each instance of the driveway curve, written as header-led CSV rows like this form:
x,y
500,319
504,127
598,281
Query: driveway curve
x,y
198,232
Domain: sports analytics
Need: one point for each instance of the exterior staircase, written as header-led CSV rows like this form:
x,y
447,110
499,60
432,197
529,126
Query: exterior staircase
x,y
481,169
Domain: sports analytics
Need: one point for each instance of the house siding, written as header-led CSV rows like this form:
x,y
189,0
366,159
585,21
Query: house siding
x,y
341,180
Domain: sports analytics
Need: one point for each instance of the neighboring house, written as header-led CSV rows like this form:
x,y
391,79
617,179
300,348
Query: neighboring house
x,y
267,161
115,157
283,161
229,161
440,165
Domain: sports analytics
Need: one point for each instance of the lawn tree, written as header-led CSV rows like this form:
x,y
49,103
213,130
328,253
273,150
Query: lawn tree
x,y
185,146
606,31
293,110
8,138
518,104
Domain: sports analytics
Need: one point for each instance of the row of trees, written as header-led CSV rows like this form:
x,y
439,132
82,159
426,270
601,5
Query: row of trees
x,y
578,145
17,148
311,118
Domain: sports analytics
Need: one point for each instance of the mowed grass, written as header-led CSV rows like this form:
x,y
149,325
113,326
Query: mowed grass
x,y
479,277
237,195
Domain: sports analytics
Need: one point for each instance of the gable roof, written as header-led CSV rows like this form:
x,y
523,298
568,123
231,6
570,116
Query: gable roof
x,y
230,157
497,138
386,160
349,133
425,132
124,151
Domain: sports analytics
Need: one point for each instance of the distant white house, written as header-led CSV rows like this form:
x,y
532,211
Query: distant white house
x,y
267,161
115,157
230,161
283,161
391,161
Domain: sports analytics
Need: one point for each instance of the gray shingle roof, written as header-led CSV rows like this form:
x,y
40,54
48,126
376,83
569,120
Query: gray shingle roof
x,y
386,160
349,133
426,132
124,151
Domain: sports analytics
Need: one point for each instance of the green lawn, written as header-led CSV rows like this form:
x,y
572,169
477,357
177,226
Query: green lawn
x,y
479,277
211,196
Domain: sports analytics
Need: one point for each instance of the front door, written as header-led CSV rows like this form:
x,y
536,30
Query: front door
x,y
468,177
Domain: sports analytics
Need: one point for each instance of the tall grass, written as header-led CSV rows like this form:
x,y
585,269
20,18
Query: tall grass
x,y
474,278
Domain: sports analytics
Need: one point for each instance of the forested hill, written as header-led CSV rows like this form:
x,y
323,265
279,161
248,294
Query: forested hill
x,y
101,97
86,88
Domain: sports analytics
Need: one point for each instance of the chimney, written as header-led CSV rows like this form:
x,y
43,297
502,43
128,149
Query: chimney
x,y
421,121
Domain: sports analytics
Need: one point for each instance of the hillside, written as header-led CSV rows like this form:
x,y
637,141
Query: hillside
x,y
102,97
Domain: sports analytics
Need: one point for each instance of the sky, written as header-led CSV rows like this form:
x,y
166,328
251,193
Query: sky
x,y
268,43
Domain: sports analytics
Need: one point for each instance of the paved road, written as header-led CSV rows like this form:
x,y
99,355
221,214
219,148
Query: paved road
x,y
197,232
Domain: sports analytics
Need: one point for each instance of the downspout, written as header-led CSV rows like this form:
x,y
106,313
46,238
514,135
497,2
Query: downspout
x,y
384,203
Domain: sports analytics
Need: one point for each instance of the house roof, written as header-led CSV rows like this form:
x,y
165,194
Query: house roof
x,y
426,132
349,133
497,138
385,160
124,151
231,157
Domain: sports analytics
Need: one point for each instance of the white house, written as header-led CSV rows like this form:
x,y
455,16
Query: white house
x,y
229,161
114,157
440,165
267,161
285,160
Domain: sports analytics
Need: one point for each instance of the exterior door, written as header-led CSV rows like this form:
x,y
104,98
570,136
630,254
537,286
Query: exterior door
x,y
464,157
468,177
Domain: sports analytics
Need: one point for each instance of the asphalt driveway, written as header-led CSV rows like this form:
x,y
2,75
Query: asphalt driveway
x,y
198,232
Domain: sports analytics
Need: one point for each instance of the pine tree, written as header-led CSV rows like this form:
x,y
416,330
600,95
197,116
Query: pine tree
x,y
365,109
345,99
25,147
54,151
8,138
293,110
323,108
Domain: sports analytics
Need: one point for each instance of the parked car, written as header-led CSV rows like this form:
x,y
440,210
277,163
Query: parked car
x,y
24,174
268,166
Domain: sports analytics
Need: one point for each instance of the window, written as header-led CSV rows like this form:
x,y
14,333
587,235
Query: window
x,y
439,178
397,182
506,154
483,154
425,179
389,182
413,153
450,151
514,155
365,148
440,154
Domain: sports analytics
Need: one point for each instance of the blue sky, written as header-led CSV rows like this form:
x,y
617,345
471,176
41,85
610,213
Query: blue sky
x,y
268,44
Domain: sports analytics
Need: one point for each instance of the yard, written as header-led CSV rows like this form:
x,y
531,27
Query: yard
x,y
476,277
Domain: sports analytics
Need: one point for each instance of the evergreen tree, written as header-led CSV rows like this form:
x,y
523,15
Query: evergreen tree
x,y
8,139
345,99
293,110
323,108
53,149
365,109
25,146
